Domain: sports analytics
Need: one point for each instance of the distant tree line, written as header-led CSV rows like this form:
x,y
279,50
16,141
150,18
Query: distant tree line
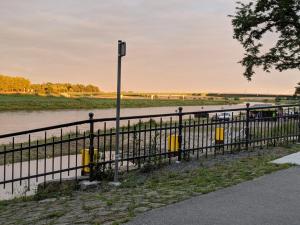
x,y
20,84
56,88
14,84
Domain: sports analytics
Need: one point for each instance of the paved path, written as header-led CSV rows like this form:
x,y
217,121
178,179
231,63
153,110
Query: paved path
x,y
292,158
269,200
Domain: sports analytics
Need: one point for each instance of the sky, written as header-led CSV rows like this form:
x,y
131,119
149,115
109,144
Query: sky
x,y
172,45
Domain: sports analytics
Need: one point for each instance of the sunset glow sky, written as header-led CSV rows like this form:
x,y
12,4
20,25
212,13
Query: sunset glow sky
x,y
173,45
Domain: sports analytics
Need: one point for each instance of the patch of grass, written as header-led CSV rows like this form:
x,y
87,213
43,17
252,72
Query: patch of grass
x,y
108,201
33,102
172,183
55,214
55,189
207,179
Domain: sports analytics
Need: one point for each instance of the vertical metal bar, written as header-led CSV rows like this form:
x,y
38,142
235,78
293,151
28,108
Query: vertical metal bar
x,y
294,125
298,118
83,149
91,147
37,160
145,141
280,126
133,144
271,129
155,141
98,144
150,139
211,137
202,136
4,166
13,164
170,131
275,130
128,144
264,129
268,131
235,132
198,137
110,147
231,132
165,140
261,132
104,145
139,143
160,133
247,126
189,130
184,137
122,147
224,128
45,157
239,131
180,133
227,133
194,136
28,171
69,152
175,132
21,162
53,147
252,133
76,151
61,154
289,126
206,138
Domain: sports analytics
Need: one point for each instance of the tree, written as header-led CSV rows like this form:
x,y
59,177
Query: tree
x,y
297,91
254,20
13,84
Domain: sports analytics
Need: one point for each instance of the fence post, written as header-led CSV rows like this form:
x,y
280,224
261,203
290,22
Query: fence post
x,y
298,117
91,147
179,134
247,126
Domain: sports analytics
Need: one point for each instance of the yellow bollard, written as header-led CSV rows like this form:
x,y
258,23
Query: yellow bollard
x,y
219,134
85,160
173,143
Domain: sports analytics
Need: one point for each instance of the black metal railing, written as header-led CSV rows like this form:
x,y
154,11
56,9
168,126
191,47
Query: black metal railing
x,y
35,156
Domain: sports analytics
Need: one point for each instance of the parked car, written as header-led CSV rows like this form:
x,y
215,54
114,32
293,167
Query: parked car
x,y
201,115
290,113
264,112
224,116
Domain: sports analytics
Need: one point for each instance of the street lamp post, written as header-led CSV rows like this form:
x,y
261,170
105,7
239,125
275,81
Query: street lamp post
x,y
121,53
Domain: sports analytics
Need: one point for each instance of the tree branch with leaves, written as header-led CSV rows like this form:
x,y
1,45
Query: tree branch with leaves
x,y
254,20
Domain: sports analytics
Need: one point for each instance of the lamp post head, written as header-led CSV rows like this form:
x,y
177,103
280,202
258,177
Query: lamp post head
x,y
121,48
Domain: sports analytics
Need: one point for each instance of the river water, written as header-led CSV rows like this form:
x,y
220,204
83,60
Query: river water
x,y
25,120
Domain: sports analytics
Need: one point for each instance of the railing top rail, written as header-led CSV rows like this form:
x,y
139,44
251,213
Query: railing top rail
x,y
44,128
274,106
139,117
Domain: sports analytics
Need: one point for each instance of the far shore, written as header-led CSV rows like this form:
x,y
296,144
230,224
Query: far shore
x,y
41,103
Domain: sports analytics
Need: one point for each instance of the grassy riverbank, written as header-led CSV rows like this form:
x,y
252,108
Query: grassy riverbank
x,y
141,191
33,102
